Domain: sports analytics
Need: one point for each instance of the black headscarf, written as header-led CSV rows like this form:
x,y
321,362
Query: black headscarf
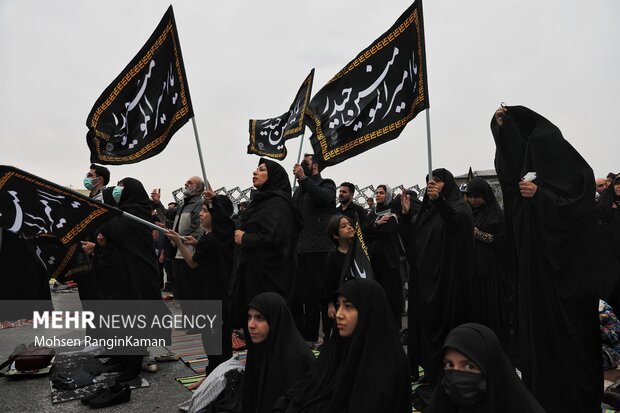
x,y
491,285
504,391
441,272
366,372
277,179
134,199
604,207
386,204
277,363
551,235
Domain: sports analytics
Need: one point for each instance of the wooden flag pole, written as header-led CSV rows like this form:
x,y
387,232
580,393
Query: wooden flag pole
x,y
202,163
428,143
301,145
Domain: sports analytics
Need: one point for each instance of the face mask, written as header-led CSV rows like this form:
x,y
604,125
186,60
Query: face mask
x,y
88,183
464,388
306,167
116,193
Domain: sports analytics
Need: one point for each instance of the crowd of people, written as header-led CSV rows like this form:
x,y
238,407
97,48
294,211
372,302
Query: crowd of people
x,y
503,310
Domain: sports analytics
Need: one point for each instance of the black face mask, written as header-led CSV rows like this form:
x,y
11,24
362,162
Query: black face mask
x,y
306,167
464,388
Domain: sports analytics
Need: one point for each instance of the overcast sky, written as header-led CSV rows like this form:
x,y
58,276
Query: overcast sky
x,y
246,59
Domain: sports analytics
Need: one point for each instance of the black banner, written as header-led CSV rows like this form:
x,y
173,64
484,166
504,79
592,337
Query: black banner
x,y
267,136
356,262
136,116
370,101
31,206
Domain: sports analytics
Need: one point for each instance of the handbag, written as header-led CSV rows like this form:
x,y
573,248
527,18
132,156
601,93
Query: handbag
x,y
30,357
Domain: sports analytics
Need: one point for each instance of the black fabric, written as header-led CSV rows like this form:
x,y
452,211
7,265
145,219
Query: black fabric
x,y
266,260
23,277
130,269
356,212
367,372
551,237
490,284
274,365
504,391
307,298
316,199
440,253
607,250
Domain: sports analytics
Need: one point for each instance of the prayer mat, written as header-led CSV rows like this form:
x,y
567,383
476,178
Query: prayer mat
x,y
16,323
66,363
189,380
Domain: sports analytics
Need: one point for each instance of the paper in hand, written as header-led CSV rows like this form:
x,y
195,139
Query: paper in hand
x,y
529,177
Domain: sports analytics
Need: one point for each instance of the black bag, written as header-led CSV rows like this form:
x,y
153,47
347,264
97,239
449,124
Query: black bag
x,y
30,357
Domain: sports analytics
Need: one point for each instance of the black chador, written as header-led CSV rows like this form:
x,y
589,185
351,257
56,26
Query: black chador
x,y
266,260
440,253
607,254
276,364
551,234
365,372
490,285
502,390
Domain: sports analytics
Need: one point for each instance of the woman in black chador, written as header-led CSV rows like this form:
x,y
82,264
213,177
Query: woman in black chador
x,y
440,252
477,376
363,367
278,356
550,224
381,234
126,266
266,257
490,283
607,256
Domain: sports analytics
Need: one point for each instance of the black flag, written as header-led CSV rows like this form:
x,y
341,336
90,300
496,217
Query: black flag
x,y
135,117
370,101
357,262
267,136
31,206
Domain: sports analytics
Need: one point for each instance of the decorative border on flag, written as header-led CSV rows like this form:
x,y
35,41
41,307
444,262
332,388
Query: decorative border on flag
x,y
421,97
184,110
99,211
252,147
307,83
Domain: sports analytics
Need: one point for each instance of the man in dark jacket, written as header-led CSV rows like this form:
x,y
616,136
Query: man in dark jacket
x,y
348,207
316,199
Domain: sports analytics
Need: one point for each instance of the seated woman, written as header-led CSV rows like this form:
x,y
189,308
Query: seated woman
x,y
478,377
278,356
363,368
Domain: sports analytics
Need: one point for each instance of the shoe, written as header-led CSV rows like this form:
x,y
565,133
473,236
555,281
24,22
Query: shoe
x,y
132,369
612,399
150,366
96,393
167,357
112,395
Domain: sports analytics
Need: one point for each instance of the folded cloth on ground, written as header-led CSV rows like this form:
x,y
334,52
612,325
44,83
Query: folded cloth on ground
x,y
212,386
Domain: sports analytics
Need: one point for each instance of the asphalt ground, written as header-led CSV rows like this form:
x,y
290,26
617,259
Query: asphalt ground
x,y
33,394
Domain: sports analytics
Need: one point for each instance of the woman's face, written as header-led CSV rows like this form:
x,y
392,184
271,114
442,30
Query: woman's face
x,y
260,176
455,360
205,217
345,229
617,188
475,201
380,195
257,326
346,316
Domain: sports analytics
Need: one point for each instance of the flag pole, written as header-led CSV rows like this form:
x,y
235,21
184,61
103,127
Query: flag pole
x,y
144,221
301,145
428,143
202,163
